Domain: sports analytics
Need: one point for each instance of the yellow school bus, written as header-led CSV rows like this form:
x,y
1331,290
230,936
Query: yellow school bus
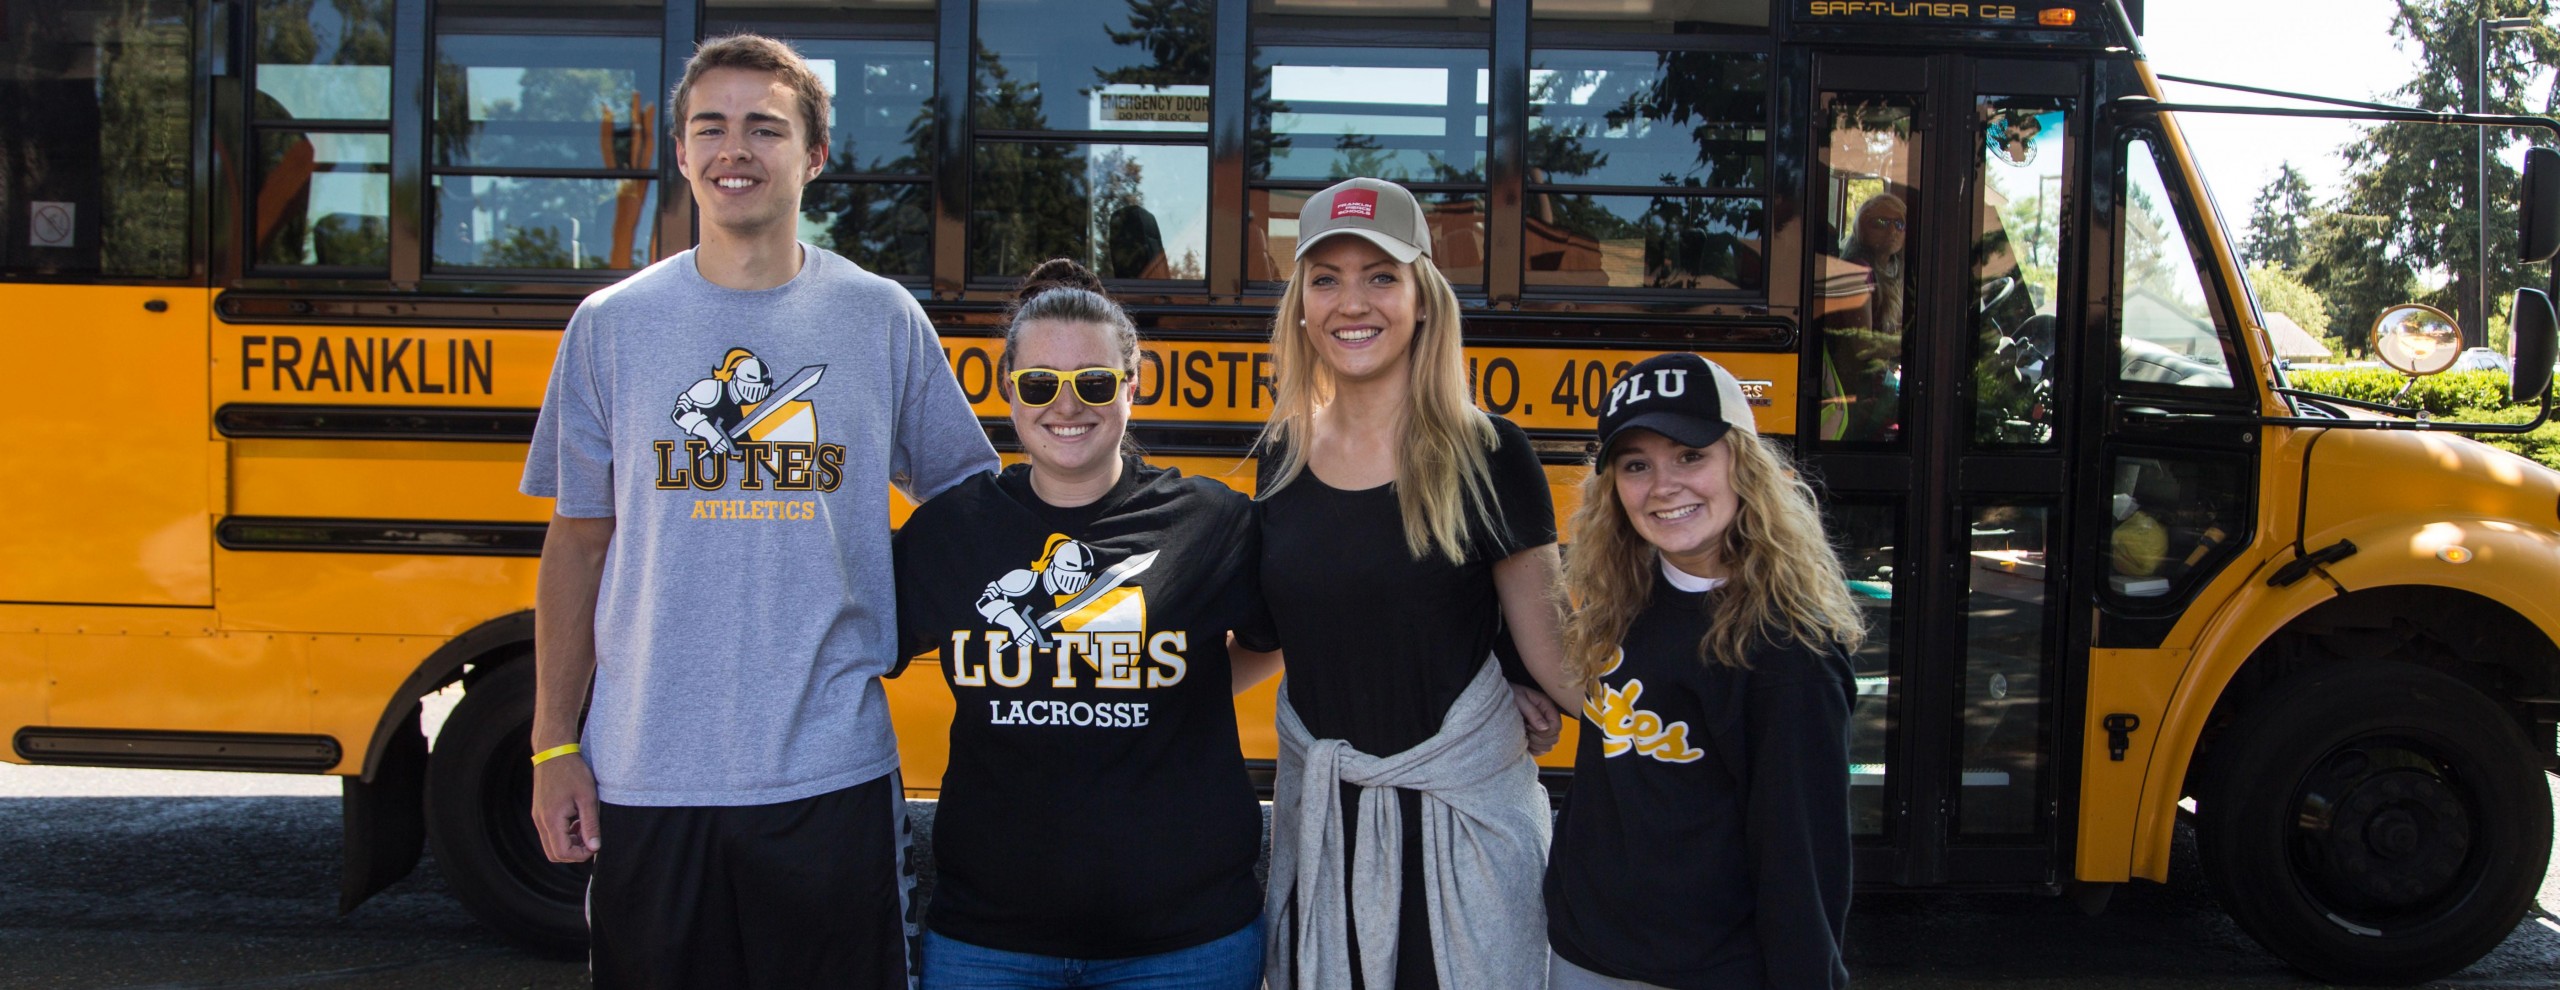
x,y
284,279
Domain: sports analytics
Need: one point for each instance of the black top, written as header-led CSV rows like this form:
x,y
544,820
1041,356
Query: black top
x,y
1705,841
1096,804
1381,644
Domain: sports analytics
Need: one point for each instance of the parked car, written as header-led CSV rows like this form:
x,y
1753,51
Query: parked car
x,y
2480,359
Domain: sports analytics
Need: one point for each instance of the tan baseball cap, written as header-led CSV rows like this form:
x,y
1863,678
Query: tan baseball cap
x,y
1379,211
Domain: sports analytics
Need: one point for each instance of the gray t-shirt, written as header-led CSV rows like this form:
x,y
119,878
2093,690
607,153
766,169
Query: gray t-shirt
x,y
744,444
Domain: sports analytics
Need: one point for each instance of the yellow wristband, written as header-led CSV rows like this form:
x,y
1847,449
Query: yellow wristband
x,y
554,752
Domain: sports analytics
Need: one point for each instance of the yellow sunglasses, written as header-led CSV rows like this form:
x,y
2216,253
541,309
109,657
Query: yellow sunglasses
x,y
1037,387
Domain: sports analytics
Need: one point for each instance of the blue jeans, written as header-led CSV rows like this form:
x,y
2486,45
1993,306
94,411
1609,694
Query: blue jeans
x,y
1230,963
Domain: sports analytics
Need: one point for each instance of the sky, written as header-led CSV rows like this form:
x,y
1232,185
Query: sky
x,y
2341,48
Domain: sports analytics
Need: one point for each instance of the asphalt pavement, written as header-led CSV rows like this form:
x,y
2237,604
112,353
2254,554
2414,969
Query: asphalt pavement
x,y
150,880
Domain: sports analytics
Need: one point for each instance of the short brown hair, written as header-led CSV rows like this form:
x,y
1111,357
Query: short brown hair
x,y
757,53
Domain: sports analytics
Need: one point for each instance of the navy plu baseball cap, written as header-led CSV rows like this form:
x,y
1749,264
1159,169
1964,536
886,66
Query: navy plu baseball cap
x,y
1687,398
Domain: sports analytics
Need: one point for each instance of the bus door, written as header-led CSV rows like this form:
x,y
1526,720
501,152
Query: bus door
x,y
1941,223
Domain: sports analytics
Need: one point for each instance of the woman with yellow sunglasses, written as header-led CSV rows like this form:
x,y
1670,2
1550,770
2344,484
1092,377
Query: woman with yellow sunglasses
x,y
1095,614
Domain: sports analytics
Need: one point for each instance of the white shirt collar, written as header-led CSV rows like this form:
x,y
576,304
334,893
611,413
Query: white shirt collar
x,y
1686,581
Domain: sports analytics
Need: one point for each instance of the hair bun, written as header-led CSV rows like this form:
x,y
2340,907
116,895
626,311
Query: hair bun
x,y
1057,273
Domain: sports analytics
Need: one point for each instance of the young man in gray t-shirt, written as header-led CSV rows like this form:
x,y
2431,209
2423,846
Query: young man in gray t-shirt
x,y
720,434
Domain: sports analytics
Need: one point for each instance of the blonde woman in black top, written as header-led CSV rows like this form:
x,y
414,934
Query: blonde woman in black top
x,y
1705,842
1407,539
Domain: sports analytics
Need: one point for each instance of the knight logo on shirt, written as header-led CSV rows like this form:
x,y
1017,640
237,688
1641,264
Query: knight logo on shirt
x,y
745,432
1625,728
1074,617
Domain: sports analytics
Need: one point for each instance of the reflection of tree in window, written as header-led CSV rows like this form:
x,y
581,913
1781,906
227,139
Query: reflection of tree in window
x,y
94,103
144,75
1030,196
1687,242
1179,35
884,227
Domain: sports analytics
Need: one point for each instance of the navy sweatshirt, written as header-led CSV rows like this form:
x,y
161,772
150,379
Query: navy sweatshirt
x,y
1705,841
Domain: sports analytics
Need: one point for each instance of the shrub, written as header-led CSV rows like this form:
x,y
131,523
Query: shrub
x,y
2542,445
2441,396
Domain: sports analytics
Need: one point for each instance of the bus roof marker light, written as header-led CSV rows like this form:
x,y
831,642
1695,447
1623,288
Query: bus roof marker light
x,y
2058,17
2454,553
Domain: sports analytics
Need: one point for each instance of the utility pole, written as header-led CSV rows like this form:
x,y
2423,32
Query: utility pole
x,y
2479,336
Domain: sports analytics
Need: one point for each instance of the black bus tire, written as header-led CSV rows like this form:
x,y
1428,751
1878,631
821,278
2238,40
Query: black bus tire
x,y
480,821
2374,822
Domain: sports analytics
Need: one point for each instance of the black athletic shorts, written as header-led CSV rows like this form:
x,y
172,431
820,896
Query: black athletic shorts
x,y
804,894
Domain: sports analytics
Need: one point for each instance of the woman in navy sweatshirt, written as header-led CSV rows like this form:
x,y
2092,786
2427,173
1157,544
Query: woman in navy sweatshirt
x,y
1705,842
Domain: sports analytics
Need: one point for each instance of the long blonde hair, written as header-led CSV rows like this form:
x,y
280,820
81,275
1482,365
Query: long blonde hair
x,y
1441,460
1783,582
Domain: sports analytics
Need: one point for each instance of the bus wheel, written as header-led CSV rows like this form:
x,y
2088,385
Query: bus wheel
x,y
2374,822
480,818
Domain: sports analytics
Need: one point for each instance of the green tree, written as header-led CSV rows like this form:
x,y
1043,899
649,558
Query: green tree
x,y
2278,219
1028,199
2347,260
2280,291
2420,176
1178,36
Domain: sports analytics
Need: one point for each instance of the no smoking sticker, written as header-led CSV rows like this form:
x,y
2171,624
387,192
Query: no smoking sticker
x,y
49,224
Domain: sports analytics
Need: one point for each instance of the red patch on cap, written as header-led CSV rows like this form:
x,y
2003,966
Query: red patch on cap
x,y
1362,203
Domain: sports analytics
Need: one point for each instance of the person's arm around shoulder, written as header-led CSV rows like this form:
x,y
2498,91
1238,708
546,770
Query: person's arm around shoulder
x,y
564,635
938,442
1796,822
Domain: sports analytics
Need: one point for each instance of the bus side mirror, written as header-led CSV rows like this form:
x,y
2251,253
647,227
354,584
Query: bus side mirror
x,y
2534,328
2538,222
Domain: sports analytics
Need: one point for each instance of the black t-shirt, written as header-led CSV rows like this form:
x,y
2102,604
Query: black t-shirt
x,y
1705,841
1380,644
1096,803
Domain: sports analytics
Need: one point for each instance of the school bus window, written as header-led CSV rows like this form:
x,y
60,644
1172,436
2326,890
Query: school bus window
x,y
1867,534
2168,333
1694,121
2017,243
1408,115
1123,185
1865,301
1665,16
1443,11
1125,210
1094,65
2006,621
320,117
1412,115
94,100
323,61
874,202
2176,518
544,146
1455,218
